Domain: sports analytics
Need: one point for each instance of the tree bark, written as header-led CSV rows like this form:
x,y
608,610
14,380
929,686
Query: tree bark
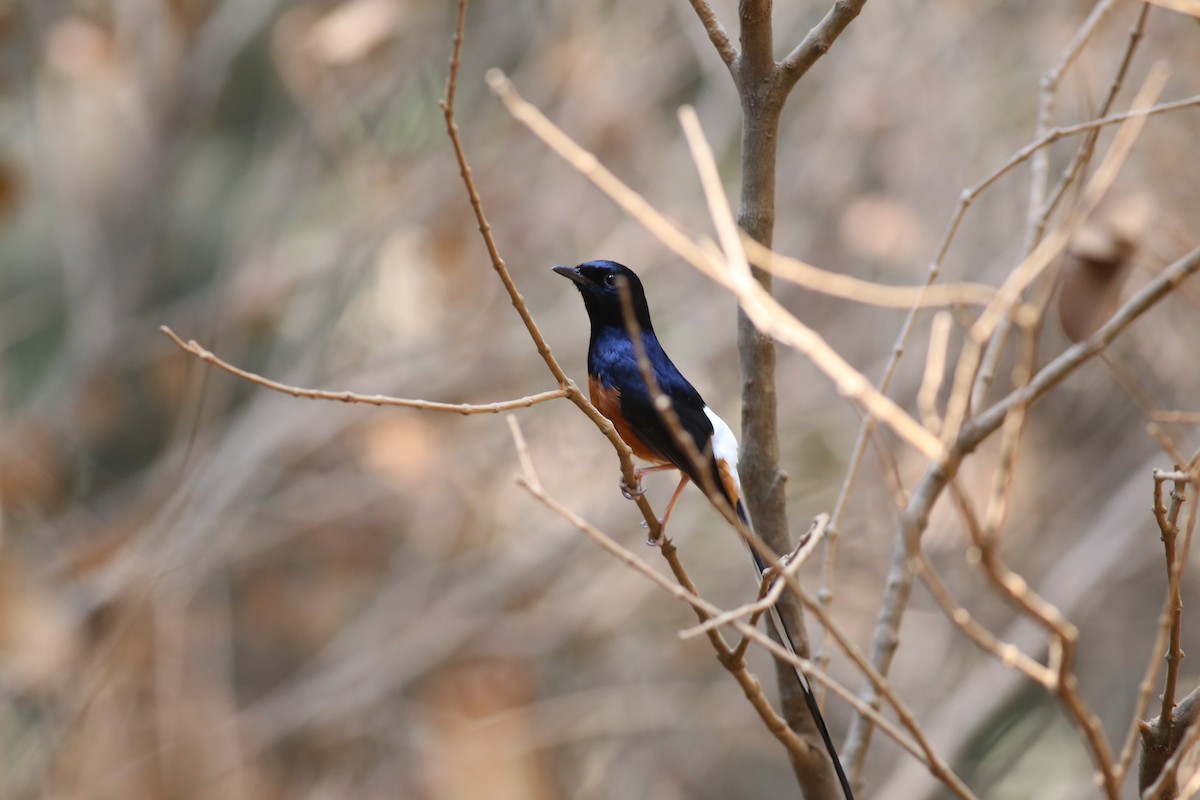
x,y
759,464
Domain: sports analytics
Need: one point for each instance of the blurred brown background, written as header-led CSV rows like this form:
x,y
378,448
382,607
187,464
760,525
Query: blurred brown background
x,y
208,590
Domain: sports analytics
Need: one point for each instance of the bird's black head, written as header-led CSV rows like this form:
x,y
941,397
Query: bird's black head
x,y
600,284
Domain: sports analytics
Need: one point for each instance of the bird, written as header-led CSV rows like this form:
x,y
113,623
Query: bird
x,y
619,391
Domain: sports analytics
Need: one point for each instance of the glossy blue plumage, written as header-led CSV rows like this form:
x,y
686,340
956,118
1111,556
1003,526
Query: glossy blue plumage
x,y
619,391
612,362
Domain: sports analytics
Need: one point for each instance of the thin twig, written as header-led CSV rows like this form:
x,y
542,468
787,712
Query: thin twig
x,y
770,317
573,393
818,41
1006,653
764,585
530,481
1063,683
1160,738
1182,417
1012,430
1168,526
666,411
847,287
773,319
1127,379
793,563
968,196
1145,690
1075,356
1191,7
208,357
1062,132
716,32
937,767
915,516
935,367
1083,154
1046,251
1039,209
1048,97
867,429
1165,782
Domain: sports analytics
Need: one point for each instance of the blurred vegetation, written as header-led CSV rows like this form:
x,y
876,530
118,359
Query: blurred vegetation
x,y
210,590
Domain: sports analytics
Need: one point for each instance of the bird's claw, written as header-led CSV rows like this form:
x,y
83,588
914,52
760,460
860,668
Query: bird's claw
x,y
661,539
632,492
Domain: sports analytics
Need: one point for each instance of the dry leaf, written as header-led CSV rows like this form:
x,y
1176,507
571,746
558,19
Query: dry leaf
x,y
1099,261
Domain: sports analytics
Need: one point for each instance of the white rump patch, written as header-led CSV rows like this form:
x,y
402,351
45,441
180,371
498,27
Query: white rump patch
x,y
725,446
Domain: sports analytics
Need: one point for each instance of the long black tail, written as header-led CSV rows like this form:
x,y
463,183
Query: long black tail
x,y
810,698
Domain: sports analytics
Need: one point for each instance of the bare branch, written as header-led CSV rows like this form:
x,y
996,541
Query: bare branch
x,y
1083,154
968,197
573,393
932,761
586,164
848,287
957,406
1127,379
766,312
1048,95
1075,356
466,409
975,431
716,32
756,62
935,366
1064,635
818,41
867,428
530,481
1161,764
1039,209
1162,737
1191,7
1056,134
915,517
1168,526
1184,417
770,317
1006,653
685,592
1145,690
792,563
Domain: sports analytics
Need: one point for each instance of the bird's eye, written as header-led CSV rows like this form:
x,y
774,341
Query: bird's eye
x,y
610,279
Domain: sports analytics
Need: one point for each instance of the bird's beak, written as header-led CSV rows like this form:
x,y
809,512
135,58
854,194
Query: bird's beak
x,y
572,273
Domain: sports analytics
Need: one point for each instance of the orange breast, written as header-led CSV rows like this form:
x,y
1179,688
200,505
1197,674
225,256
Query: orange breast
x,y
607,401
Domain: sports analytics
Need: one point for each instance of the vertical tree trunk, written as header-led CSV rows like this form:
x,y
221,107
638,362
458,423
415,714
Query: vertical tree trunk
x,y
759,464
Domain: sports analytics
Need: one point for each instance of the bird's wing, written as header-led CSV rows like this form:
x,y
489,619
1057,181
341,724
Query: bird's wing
x,y
694,417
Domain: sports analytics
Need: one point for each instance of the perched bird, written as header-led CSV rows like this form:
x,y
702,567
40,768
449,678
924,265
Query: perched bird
x,y
619,391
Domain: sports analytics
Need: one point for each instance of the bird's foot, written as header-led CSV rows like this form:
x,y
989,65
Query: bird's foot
x,y
661,539
635,491
660,542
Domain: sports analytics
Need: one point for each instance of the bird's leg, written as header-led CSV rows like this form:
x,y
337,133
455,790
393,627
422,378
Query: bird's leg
x,y
662,523
630,492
